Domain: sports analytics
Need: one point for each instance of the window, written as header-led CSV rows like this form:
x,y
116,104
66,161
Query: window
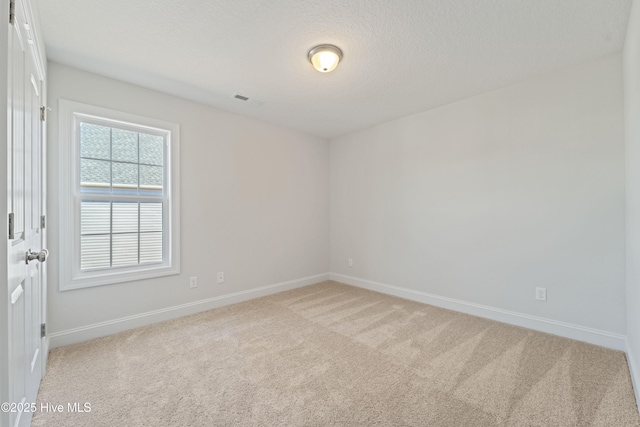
x,y
119,206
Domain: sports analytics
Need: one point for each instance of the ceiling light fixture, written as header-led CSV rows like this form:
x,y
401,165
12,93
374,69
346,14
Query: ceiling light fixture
x,y
325,57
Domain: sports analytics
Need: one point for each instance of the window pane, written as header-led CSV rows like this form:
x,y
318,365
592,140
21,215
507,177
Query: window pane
x,y
125,249
95,174
124,146
125,217
95,218
151,149
95,141
151,177
94,251
151,247
125,176
150,217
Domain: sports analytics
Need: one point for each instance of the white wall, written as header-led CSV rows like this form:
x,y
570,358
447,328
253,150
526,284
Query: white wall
x,y
485,199
631,68
254,204
481,201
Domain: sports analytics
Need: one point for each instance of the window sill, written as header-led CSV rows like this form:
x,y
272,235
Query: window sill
x,y
88,280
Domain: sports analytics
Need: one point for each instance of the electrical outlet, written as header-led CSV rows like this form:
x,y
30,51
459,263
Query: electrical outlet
x,y
221,277
350,262
193,282
541,294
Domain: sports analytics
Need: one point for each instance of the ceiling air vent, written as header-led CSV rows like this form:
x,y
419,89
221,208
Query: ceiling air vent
x,y
248,100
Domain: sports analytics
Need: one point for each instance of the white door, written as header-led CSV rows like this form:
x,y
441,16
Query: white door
x,y
26,180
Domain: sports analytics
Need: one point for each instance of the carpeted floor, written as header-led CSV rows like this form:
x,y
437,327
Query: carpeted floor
x,y
331,354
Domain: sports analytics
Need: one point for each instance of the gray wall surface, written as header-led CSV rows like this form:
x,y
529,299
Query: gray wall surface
x,y
487,198
254,203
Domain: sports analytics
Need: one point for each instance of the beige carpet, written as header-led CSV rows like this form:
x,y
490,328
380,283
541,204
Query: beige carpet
x,y
331,354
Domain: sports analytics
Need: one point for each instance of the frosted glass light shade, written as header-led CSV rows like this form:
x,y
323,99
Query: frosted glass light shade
x,y
325,58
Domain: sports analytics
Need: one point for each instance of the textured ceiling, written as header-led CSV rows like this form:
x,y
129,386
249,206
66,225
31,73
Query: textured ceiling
x,y
400,57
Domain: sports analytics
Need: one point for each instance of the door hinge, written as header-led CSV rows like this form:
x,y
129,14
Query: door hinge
x,y
42,113
43,330
43,221
11,225
12,11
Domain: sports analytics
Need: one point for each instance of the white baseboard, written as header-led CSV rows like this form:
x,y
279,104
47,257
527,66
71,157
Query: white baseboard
x,y
634,372
96,330
567,330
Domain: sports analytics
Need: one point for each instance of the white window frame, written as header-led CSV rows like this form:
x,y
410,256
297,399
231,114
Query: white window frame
x,y
71,276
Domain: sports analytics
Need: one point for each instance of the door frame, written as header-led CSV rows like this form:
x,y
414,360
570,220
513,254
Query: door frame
x,y
5,29
39,57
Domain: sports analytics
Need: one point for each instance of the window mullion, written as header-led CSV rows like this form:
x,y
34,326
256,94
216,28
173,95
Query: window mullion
x,y
119,198
138,199
111,235
139,233
111,201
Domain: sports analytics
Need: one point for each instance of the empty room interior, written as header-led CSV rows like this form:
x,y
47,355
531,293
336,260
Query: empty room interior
x,y
318,213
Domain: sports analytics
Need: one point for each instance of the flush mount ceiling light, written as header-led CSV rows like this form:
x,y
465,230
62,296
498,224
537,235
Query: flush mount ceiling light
x,y
325,57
